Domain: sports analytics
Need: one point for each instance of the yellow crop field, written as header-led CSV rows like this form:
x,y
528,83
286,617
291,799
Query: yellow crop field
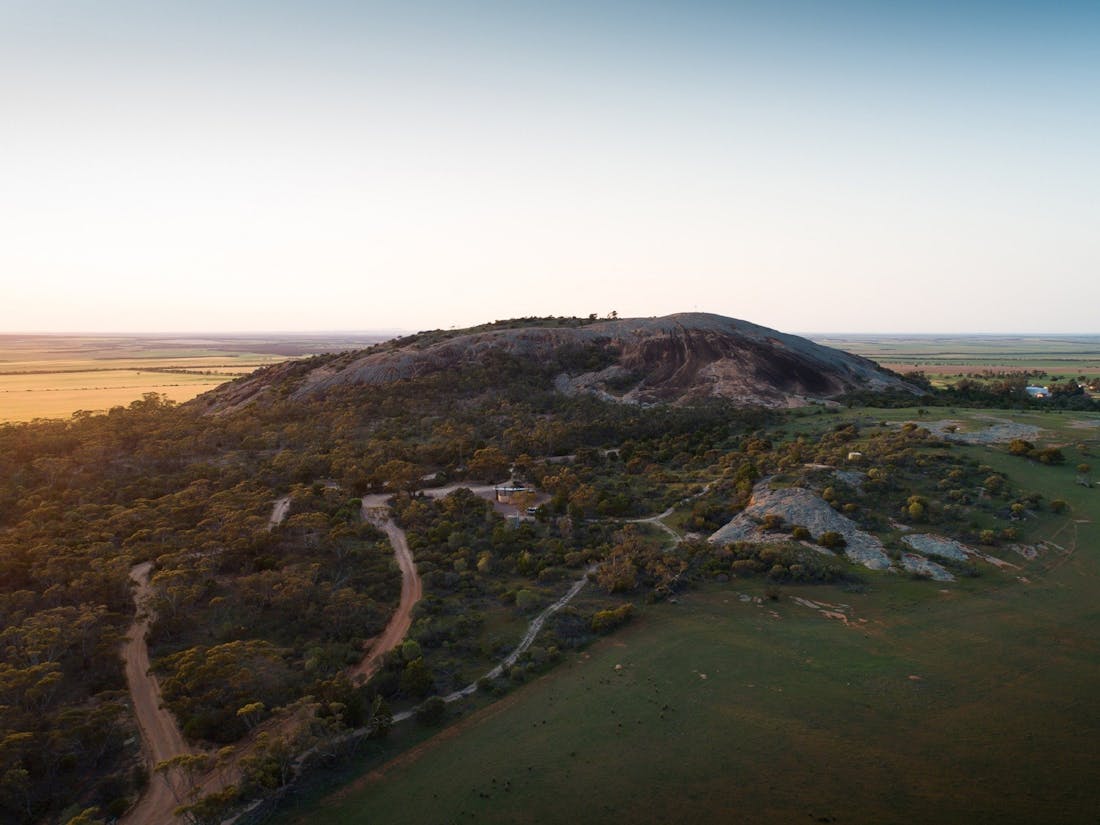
x,y
24,404
53,376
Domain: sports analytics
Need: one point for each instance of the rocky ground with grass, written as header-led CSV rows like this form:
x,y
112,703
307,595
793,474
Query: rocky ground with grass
x,y
999,431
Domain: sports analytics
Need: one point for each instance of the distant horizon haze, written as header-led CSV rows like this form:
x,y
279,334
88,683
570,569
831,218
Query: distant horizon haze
x,y
397,333
843,166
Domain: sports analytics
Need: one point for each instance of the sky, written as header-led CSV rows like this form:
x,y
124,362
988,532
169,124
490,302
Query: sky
x,y
830,166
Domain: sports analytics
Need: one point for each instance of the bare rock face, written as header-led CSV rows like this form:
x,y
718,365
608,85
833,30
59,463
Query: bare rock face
x,y
677,358
802,507
937,546
916,563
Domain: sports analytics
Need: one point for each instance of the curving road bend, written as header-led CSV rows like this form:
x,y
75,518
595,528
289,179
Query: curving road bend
x,y
160,735
375,510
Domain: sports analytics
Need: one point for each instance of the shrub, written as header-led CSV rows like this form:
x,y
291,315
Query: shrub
x,y
431,712
994,483
1058,505
1019,446
832,540
416,679
527,600
607,620
1051,455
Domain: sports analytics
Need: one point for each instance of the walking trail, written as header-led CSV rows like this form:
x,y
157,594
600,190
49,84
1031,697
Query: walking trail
x,y
161,736
524,643
659,519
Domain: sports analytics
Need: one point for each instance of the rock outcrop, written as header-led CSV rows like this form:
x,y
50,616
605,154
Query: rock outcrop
x,y
801,507
673,359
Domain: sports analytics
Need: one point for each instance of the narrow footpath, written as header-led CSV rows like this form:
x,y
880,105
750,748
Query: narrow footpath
x,y
524,643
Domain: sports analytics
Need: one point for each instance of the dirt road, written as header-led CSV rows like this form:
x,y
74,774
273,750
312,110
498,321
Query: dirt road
x,y
376,512
161,737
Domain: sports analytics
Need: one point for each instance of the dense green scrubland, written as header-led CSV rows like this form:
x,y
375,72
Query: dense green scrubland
x,y
257,625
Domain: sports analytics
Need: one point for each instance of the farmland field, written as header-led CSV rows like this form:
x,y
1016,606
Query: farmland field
x,y
970,702
53,376
1068,355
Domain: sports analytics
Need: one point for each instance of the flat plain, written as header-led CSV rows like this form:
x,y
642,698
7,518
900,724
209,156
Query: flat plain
x,y
1058,355
54,376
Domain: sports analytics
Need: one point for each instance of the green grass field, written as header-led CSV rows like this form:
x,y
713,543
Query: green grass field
x,y
963,703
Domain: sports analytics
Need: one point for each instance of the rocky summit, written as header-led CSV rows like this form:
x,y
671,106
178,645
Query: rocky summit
x,y
677,358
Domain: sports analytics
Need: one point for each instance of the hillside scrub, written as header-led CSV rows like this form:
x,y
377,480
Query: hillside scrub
x,y
782,562
261,619
479,571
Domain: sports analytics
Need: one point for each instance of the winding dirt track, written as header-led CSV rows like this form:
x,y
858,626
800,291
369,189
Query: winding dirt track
x,y
161,737
375,511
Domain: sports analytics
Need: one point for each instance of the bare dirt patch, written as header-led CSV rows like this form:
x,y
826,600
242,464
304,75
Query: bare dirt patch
x,y
1089,424
837,612
1028,551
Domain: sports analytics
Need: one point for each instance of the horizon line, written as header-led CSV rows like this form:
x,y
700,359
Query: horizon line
x,y
397,332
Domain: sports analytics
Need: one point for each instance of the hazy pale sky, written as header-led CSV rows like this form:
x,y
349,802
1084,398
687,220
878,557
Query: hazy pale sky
x,y
811,166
